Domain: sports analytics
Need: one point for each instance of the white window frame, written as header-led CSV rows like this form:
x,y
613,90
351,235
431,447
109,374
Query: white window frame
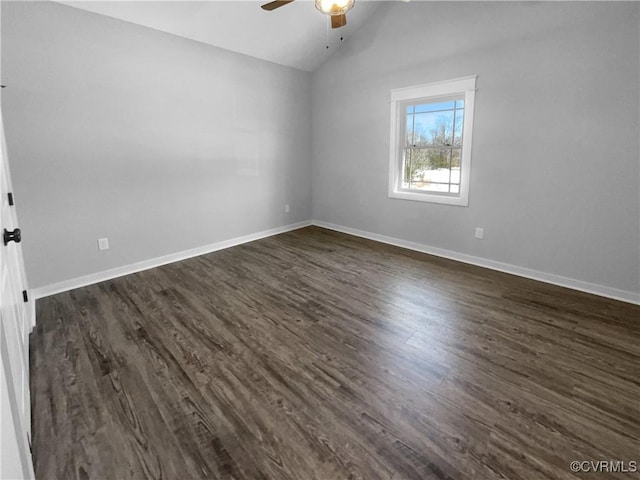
x,y
431,92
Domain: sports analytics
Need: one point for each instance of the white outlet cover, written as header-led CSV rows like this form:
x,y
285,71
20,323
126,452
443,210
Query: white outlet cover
x,y
479,232
286,208
103,244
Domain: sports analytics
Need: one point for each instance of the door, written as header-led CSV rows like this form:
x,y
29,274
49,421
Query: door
x,y
15,325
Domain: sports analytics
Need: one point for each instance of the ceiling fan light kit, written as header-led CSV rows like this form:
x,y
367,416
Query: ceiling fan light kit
x,y
336,9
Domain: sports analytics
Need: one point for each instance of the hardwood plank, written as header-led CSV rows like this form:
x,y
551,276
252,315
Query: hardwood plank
x,y
319,355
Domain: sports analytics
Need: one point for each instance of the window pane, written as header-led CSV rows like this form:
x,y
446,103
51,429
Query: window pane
x,y
431,158
411,166
433,107
409,108
458,131
406,168
459,103
427,165
455,166
432,169
433,128
409,131
455,158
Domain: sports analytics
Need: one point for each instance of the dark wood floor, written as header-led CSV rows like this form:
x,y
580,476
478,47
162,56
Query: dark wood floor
x,y
314,354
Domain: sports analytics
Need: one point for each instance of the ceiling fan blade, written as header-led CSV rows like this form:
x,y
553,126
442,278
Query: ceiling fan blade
x,y
277,4
338,21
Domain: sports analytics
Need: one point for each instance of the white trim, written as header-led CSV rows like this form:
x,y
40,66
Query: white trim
x,y
601,290
457,200
465,86
83,281
444,87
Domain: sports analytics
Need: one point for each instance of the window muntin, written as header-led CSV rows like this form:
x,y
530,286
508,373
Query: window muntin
x,y
431,129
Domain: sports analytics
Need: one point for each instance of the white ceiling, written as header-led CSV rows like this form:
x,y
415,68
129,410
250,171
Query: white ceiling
x,y
295,35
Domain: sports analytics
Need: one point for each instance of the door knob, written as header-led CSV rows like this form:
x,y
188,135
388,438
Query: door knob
x,y
14,236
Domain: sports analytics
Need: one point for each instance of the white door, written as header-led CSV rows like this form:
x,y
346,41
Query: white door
x,y
15,325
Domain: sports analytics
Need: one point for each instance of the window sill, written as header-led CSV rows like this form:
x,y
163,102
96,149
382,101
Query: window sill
x,y
459,201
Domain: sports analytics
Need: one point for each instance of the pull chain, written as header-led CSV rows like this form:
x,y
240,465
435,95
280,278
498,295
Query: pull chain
x,y
327,31
328,45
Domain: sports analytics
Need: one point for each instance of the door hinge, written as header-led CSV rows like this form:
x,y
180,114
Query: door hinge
x,y
25,297
10,195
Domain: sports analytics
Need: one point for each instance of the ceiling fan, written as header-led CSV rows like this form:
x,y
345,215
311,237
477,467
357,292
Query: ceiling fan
x,y
337,9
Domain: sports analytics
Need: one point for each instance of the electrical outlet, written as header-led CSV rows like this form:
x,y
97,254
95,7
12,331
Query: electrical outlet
x,y
479,232
103,244
286,208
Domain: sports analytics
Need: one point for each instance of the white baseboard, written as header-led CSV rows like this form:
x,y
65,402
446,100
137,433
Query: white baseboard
x,y
83,281
623,295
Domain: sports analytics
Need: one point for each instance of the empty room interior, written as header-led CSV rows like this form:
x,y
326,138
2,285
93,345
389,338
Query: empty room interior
x,y
320,239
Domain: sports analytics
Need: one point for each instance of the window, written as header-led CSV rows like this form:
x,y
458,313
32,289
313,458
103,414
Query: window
x,y
430,155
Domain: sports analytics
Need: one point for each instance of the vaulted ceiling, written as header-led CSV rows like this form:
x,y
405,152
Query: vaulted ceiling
x,y
295,35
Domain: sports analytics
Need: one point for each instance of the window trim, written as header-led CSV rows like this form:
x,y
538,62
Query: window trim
x,y
399,97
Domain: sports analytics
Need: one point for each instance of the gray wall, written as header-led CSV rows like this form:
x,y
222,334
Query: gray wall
x,y
555,159
160,143
163,144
